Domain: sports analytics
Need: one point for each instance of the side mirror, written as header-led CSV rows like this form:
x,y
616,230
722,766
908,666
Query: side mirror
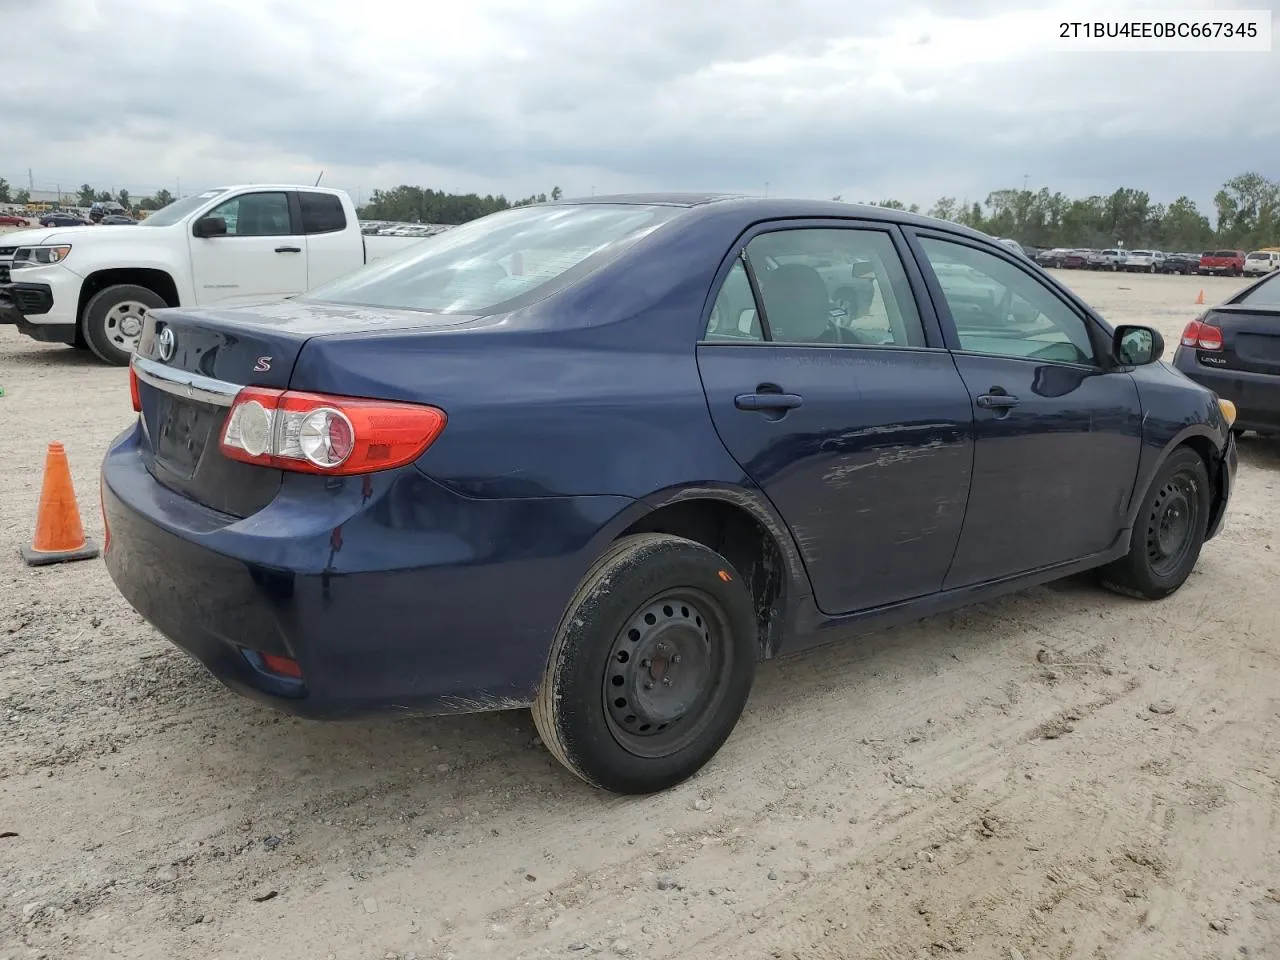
x,y
209,227
1135,346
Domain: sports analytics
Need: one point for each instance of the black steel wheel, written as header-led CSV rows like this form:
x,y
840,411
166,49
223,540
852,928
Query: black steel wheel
x,y
1168,532
651,667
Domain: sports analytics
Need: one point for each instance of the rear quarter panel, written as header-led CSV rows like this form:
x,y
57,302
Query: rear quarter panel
x,y
592,391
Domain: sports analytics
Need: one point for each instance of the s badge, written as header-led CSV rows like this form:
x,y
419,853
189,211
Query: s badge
x,y
263,364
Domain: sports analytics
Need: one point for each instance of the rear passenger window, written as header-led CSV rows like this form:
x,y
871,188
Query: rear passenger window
x,y
835,286
734,315
321,213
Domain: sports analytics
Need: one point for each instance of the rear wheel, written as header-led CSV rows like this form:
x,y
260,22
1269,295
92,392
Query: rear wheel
x,y
651,667
1168,533
113,320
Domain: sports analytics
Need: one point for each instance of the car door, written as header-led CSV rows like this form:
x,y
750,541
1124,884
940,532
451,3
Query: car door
x,y
263,253
1058,430
849,415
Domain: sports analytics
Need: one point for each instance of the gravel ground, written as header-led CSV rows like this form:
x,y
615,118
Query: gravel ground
x,y
1061,774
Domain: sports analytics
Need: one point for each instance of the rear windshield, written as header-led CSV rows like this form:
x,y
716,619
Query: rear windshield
x,y
494,261
1258,256
1226,254
1265,294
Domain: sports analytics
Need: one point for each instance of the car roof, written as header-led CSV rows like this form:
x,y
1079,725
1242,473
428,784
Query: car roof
x,y
778,208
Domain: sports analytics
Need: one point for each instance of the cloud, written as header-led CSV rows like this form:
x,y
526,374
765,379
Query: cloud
x,y
813,97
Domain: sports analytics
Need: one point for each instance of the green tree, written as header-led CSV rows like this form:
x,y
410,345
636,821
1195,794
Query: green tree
x,y
86,195
4,191
556,193
123,199
162,199
23,197
945,208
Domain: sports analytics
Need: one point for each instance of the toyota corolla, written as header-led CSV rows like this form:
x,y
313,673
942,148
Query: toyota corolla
x,y
599,458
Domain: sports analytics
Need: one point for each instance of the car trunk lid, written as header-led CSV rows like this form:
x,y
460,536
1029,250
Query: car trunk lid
x,y
190,365
1250,338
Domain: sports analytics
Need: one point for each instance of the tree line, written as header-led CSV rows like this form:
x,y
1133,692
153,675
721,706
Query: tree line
x,y
406,204
1245,214
87,196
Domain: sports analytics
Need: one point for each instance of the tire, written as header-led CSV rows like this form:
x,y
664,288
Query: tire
x,y
1157,566
594,709
110,317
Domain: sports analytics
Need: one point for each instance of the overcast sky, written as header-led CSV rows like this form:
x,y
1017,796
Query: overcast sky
x,y
911,99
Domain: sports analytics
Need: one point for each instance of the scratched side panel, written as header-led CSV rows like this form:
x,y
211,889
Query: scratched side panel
x,y
871,473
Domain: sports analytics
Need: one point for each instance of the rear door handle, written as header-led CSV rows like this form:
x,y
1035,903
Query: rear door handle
x,y
288,249
767,401
997,401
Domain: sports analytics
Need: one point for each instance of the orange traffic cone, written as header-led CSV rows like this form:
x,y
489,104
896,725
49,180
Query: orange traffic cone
x,y
1200,299
59,535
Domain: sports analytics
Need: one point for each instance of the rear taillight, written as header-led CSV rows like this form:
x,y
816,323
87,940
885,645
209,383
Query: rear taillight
x,y
315,433
133,390
1202,336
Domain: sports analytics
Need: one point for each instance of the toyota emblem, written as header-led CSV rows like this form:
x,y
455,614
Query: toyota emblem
x,y
166,344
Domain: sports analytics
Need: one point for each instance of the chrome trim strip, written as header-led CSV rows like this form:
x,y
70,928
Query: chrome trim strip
x,y
183,384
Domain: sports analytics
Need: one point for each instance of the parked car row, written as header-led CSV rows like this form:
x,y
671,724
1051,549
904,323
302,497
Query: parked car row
x,y
1232,263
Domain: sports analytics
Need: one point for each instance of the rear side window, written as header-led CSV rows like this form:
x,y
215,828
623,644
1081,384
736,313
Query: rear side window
x,y
321,212
1265,294
821,286
733,317
489,264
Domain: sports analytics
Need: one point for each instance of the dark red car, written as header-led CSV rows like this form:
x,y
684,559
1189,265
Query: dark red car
x,y
12,220
1229,263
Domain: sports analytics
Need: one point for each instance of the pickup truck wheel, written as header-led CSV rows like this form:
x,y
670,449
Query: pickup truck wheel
x,y
1168,532
651,667
113,320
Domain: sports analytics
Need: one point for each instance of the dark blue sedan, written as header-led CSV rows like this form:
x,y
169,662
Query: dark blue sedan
x,y
601,457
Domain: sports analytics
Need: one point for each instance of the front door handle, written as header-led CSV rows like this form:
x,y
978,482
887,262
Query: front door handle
x,y
767,401
288,249
997,401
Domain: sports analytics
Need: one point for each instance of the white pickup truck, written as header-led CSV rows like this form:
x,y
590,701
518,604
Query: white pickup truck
x,y
91,287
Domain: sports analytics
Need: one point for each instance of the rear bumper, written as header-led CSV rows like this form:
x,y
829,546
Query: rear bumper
x,y
1256,395
394,595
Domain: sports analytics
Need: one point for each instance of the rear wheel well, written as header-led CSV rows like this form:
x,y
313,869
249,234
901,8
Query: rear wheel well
x,y
742,540
157,281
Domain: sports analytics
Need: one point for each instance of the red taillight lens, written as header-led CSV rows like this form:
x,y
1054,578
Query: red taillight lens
x,y
1202,336
283,666
133,390
315,433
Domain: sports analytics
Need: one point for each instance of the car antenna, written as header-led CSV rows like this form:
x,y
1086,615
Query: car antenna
x,y
319,178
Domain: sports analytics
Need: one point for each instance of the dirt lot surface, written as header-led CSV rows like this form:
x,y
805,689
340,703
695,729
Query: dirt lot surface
x,y
1062,774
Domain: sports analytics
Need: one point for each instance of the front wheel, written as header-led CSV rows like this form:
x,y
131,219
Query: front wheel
x,y
651,667
1168,533
113,320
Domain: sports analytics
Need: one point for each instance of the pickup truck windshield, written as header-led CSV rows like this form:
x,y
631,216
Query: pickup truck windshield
x,y
479,266
168,216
